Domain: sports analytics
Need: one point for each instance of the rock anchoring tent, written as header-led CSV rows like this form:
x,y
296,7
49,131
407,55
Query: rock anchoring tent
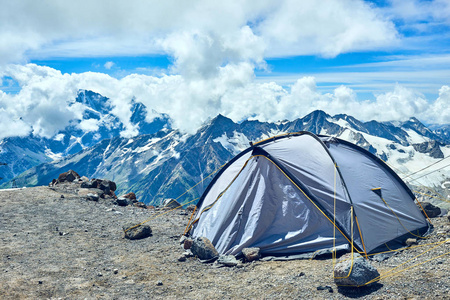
x,y
302,193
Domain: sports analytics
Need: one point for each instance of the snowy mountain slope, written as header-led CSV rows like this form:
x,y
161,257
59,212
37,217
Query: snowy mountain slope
x,y
97,124
167,163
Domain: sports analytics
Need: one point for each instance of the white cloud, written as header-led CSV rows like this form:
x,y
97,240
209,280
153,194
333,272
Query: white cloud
x,y
439,111
108,65
45,94
227,30
433,12
325,27
11,125
199,54
88,125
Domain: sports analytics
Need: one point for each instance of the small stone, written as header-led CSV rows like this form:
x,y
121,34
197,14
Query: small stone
x,y
92,197
159,283
131,196
123,201
301,274
204,249
62,196
138,232
251,254
140,205
409,242
182,258
228,260
115,271
191,208
327,287
40,282
188,243
84,192
171,203
99,274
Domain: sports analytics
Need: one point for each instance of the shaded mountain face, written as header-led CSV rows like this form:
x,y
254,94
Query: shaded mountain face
x,y
23,153
168,163
442,131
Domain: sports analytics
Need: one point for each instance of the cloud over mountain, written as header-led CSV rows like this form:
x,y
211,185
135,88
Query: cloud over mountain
x,y
45,94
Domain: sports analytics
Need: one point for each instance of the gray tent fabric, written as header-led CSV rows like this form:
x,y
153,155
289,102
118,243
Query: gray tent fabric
x,y
303,193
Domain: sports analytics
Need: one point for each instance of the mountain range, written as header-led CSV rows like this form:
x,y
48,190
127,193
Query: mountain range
x,y
162,162
23,153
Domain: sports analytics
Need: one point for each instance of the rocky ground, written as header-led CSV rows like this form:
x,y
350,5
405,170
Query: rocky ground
x,y
71,248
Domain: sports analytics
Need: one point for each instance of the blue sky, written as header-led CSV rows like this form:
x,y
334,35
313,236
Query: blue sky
x,y
270,60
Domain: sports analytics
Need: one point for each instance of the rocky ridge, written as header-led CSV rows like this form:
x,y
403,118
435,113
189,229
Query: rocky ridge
x,y
167,163
55,243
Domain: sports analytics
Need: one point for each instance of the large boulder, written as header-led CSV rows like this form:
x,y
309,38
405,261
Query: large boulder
x,y
68,176
354,272
431,210
138,232
91,184
107,186
204,249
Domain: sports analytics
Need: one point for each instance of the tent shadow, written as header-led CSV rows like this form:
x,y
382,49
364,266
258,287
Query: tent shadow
x,y
363,291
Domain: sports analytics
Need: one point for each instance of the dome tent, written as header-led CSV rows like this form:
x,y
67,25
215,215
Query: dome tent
x,y
301,193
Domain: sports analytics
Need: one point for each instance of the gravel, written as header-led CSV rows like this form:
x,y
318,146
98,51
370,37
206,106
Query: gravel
x,y
54,247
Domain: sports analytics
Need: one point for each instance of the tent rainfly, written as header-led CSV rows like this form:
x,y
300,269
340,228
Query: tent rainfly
x,y
301,193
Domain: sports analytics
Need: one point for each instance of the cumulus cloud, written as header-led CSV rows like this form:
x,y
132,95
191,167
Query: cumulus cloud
x,y
325,27
439,111
197,54
44,105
